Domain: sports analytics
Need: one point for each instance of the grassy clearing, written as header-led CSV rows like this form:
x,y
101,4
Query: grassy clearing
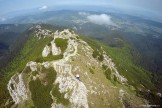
x,y
41,93
59,96
49,58
62,43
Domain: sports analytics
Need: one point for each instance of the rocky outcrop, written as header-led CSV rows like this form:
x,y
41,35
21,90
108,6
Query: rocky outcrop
x,y
108,62
32,65
42,33
51,49
74,89
46,51
17,89
66,80
55,49
77,60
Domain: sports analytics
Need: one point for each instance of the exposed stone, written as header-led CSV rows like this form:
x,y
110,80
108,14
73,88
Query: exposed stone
x,y
108,62
75,90
46,51
55,49
17,88
32,65
121,95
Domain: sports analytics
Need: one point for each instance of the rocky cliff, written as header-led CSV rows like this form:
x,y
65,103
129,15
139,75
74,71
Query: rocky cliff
x,y
71,74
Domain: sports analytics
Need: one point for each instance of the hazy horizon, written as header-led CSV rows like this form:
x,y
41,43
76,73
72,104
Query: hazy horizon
x,y
149,8
14,5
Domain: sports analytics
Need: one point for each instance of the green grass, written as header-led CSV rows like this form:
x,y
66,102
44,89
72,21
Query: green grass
x,y
34,73
123,59
50,75
134,73
62,43
97,54
41,93
49,58
59,96
107,73
91,71
27,70
104,67
30,52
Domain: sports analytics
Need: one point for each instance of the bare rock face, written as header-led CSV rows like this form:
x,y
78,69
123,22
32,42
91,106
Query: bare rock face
x,y
17,88
46,51
32,65
55,49
92,90
74,89
42,33
108,62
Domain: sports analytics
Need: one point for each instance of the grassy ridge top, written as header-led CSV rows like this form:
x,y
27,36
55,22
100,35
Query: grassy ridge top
x,y
30,51
123,59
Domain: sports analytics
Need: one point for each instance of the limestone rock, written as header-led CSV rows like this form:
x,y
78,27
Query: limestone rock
x,y
17,88
46,51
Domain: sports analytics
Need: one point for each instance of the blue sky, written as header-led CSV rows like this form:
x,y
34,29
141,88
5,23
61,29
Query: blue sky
x,y
14,5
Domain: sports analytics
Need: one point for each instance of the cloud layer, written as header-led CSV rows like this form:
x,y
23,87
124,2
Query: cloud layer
x,y
83,13
43,7
101,19
2,19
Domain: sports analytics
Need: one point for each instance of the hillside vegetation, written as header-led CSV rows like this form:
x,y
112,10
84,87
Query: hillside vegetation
x,y
31,51
137,76
108,75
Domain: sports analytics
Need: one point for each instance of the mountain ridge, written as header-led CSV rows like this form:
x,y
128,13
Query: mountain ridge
x,y
46,76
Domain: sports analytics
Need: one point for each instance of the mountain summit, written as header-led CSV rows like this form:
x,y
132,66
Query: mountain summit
x,y
65,71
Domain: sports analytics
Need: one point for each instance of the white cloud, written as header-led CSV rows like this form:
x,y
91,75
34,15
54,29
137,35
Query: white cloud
x,y
83,13
43,7
2,19
101,19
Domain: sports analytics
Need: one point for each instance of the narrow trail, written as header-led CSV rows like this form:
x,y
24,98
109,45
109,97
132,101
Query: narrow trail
x,y
74,89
